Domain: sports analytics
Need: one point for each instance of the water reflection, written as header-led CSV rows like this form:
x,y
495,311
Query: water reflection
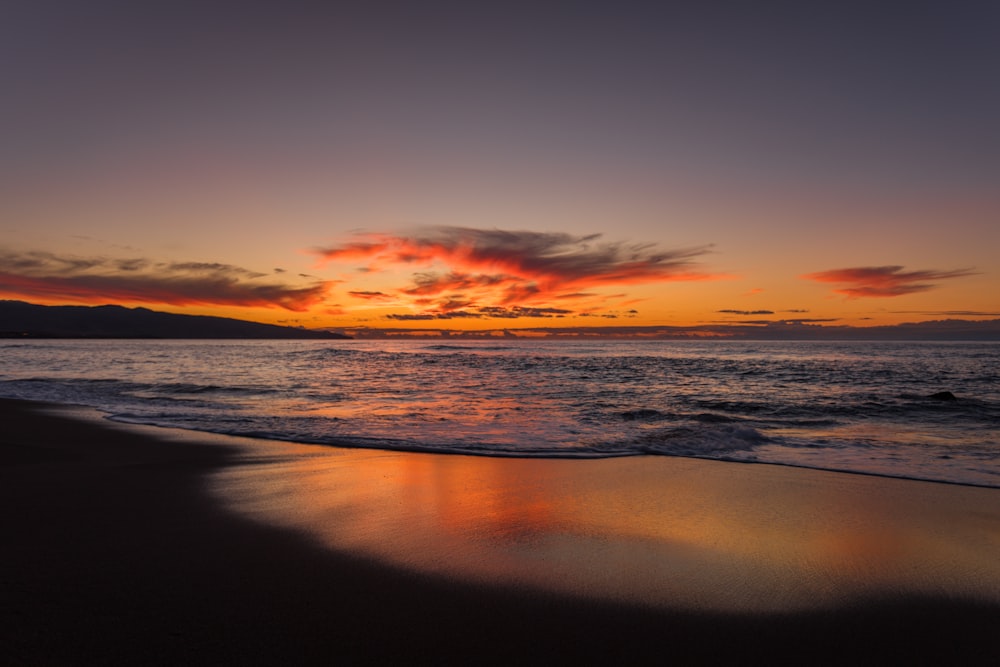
x,y
652,530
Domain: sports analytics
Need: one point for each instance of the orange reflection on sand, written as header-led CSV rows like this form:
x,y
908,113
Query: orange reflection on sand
x,y
471,497
652,530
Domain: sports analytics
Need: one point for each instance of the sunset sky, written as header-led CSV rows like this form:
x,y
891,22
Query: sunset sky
x,y
504,165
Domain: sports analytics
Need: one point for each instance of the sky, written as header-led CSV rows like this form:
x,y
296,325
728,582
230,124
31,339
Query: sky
x,y
504,165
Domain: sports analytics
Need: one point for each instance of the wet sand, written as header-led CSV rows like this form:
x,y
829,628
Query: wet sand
x,y
128,545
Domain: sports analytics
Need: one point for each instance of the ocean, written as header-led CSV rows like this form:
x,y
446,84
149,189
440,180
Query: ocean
x,y
847,406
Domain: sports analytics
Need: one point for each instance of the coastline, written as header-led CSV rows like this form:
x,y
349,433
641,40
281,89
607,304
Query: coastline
x,y
120,550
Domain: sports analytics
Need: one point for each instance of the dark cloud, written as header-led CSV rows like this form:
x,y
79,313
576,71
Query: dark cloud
x,y
745,312
408,317
131,264
372,296
459,314
102,280
209,268
523,311
810,320
575,295
779,323
949,313
428,283
454,303
490,312
883,281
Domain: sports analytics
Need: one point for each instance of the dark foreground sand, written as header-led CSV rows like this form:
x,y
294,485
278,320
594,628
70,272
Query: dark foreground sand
x,y
116,551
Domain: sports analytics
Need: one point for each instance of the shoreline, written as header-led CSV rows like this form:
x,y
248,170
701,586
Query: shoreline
x,y
503,454
119,551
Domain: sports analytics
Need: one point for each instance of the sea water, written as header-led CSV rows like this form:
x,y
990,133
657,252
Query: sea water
x,y
849,406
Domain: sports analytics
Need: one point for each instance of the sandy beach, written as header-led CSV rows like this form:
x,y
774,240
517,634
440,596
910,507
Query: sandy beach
x,y
133,545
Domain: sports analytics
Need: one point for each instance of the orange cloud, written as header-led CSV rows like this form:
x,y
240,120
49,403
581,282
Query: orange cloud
x,y
512,269
883,281
50,277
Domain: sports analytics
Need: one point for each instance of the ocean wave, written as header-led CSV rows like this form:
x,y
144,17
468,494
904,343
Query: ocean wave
x,y
852,407
702,441
469,348
192,388
644,414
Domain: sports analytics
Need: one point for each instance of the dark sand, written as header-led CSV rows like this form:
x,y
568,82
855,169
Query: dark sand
x,y
116,550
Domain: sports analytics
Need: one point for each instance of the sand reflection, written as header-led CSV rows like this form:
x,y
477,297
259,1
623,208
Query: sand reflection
x,y
652,530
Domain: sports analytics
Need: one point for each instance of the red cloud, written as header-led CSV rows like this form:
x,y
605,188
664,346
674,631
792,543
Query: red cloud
x,y
883,281
508,268
100,280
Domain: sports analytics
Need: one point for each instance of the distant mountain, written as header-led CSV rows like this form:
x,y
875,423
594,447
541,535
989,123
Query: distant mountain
x,y
25,320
